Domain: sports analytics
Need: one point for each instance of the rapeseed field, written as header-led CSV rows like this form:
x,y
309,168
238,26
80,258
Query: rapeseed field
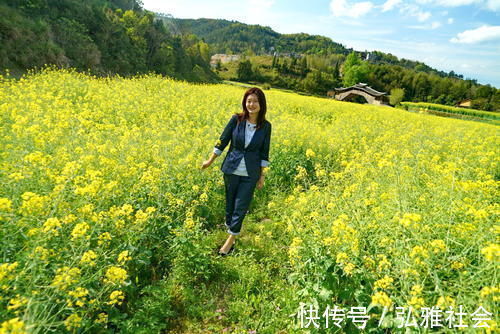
x,y
108,224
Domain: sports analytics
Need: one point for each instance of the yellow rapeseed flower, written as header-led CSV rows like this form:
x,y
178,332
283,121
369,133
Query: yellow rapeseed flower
x,y
42,253
104,238
384,283
79,231
382,299
141,216
79,292
491,252
342,258
444,302
115,275
416,290
349,268
310,153
493,291
13,326
438,246
416,302
17,302
5,204
65,277
457,265
102,318
124,257
293,251
73,322
7,269
127,209
16,176
88,258
116,297
51,225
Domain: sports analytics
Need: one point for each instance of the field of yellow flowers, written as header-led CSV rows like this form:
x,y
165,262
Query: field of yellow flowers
x,y
108,224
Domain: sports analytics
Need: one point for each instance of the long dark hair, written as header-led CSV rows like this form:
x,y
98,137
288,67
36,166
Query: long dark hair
x,y
261,118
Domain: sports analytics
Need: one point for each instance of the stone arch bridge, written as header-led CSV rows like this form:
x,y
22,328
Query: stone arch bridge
x,y
361,89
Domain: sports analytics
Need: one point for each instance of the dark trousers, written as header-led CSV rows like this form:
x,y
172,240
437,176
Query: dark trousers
x,y
239,194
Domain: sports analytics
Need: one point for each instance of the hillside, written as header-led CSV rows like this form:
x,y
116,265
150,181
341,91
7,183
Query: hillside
x,y
104,36
238,37
235,37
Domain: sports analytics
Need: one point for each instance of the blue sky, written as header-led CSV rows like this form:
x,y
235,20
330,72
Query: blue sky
x,y
458,35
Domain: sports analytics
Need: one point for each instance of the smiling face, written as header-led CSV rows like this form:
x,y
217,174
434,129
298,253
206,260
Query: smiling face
x,y
252,104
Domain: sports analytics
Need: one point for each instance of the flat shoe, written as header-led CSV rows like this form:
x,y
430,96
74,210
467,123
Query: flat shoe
x,y
229,251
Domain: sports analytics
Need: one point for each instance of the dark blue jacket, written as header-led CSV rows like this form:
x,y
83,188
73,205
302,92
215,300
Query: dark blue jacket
x,y
254,153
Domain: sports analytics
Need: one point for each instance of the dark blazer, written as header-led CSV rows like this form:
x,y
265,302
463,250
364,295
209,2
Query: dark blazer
x,y
256,151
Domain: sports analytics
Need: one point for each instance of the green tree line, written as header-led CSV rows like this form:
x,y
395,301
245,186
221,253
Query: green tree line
x,y
234,37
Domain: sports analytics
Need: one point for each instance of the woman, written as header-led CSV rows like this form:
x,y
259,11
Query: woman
x,y
250,135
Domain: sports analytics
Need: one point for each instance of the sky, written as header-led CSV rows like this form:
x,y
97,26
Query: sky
x,y
458,35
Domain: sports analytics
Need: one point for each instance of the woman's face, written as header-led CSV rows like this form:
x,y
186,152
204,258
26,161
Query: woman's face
x,y
252,104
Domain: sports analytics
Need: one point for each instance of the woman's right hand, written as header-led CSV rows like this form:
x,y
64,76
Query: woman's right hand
x,y
206,164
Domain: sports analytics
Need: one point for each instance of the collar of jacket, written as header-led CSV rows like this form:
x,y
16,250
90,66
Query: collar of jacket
x,y
240,137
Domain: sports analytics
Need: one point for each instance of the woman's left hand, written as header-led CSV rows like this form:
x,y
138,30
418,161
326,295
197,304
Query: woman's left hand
x,y
260,183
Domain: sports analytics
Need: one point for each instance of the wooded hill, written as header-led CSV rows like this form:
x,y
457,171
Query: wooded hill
x,y
315,64
234,37
105,37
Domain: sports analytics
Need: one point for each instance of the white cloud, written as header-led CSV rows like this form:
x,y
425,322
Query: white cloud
x,y
433,25
342,8
259,12
457,3
390,4
450,20
493,5
413,10
423,16
481,34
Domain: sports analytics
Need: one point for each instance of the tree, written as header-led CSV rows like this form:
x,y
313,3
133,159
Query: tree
x,y
204,51
485,92
355,70
396,96
293,64
303,66
244,71
336,71
316,82
284,67
495,101
421,86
